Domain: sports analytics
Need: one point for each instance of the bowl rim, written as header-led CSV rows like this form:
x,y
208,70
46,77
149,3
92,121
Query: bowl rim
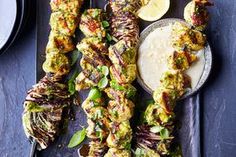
x,y
207,54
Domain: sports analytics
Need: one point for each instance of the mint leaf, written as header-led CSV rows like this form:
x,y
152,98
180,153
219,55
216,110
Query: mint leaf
x,y
77,138
94,94
156,129
103,83
164,133
105,70
74,57
105,24
109,37
71,82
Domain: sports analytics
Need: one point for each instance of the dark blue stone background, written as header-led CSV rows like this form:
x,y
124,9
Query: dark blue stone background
x,y
217,98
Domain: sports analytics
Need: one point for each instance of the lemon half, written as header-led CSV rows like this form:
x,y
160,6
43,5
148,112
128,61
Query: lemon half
x,y
154,10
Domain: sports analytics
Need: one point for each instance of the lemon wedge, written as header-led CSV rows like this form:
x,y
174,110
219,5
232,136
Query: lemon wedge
x,y
154,10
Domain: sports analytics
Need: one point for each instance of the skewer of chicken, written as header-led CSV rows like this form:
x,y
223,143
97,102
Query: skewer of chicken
x,y
125,29
155,136
94,64
46,103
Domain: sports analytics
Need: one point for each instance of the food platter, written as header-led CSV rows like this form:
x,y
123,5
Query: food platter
x,y
188,135
207,55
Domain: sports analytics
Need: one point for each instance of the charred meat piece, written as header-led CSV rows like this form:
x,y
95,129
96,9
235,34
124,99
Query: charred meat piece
x,y
196,13
120,110
57,64
181,60
65,23
122,54
98,129
116,91
156,115
97,148
91,23
43,110
124,26
66,6
59,43
125,5
186,38
113,152
95,50
120,135
123,75
177,81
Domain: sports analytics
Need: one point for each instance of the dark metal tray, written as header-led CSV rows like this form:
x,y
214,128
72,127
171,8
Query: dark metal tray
x,y
188,110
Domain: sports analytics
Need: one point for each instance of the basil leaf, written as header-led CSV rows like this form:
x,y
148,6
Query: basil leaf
x,y
105,24
77,138
156,129
164,133
105,70
94,94
71,82
103,82
74,57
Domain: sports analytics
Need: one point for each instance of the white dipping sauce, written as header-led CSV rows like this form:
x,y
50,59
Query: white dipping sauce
x,y
153,54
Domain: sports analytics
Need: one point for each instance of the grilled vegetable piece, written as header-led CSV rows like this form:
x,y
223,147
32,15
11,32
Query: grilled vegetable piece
x,y
181,60
196,13
153,143
125,5
122,54
43,110
186,38
120,135
67,6
124,26
91,23
65,23
121,110
123,75
57,64
97,148
113,152
59,43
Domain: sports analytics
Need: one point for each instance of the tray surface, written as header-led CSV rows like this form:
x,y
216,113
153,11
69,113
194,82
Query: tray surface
x,y
187,110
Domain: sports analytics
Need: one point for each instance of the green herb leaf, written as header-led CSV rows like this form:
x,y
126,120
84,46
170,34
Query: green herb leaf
x,y
74,56
77,138
109,37
105,24
139,152
105,70
71,82
94,94
103,83
116,86
164,134
151,101
95,13
156,129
